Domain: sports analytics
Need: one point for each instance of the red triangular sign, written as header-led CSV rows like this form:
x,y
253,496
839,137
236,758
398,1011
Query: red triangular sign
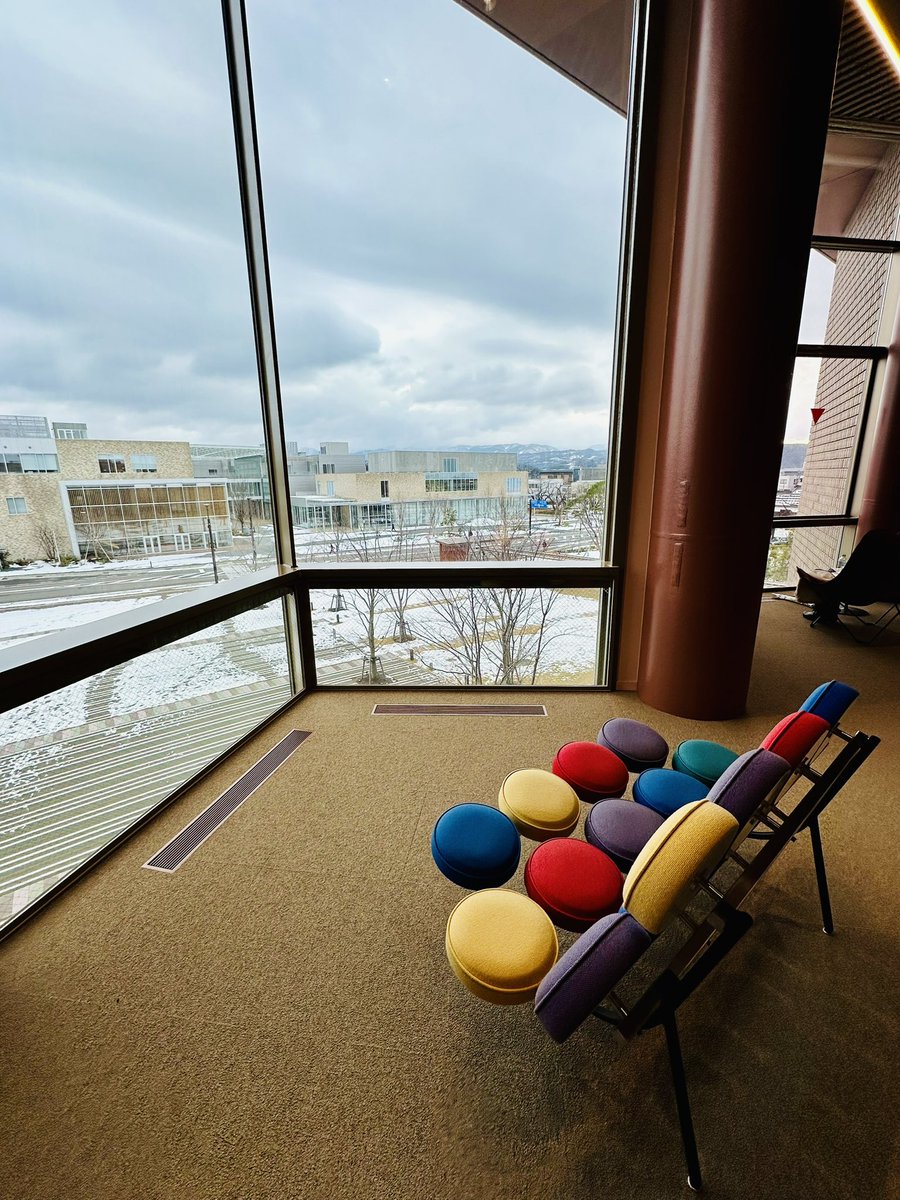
x,y
816,413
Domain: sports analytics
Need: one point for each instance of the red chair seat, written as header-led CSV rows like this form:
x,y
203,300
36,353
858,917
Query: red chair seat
x,y
574,883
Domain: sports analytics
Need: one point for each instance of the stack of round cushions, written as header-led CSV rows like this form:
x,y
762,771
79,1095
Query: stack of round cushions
x,y
593,771
574,883
539,804
830,700
501,945
636,744
475,846
704,760
689,843
621,829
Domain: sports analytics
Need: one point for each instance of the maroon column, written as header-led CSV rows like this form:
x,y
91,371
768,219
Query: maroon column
x,y
880,507
759,82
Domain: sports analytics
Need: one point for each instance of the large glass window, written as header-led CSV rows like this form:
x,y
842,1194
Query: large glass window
x,y
444,218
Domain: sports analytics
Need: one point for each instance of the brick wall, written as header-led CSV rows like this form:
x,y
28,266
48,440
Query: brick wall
x,y
24,536
80,459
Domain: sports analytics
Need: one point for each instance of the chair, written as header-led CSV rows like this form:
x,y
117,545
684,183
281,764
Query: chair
x,y
870,575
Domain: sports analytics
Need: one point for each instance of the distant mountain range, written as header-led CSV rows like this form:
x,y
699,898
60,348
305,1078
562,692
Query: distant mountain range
x,y
534,454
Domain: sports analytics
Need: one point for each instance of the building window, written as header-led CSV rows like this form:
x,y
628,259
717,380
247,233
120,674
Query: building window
x,y
212,471
16,505
10,464
449,465
143,463
384,488
330,489
513,485
111,465
327,468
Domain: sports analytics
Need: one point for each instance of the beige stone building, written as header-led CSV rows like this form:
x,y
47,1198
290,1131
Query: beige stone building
x,y
69,496
417,498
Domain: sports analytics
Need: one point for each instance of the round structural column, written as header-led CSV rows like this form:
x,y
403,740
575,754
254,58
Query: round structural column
x,y
759,79
880,508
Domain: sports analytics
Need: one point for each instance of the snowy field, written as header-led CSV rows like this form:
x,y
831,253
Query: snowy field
x,y
557,647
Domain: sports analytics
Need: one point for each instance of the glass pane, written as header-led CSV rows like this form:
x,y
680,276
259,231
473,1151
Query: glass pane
x,y
127,336
443,283
843,298
459,637
826,405
81,765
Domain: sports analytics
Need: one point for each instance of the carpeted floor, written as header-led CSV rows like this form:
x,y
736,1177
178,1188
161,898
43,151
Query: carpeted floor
x,y
278,1019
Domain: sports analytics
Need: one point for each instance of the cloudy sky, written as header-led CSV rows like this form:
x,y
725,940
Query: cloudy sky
x,y
443,217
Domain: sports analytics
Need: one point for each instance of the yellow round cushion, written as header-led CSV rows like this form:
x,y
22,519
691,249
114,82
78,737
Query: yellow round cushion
x,y
539,804
501,945
689,843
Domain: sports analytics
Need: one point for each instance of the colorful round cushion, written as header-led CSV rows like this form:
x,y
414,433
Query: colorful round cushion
x,y
830,700
638,746
621,829
475,846
588,970
592,770
704,760
574,883
691,842
665,791
501,945
540,804
748,782
795,736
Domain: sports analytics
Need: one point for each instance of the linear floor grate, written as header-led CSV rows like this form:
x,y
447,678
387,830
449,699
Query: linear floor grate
x,y
459,710
183,845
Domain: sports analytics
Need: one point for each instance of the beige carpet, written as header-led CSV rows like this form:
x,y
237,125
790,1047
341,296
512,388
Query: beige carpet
x,y
278,1019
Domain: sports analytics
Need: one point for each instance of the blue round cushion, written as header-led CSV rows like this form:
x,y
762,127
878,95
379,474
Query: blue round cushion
x,y
706,761
830,700
475,846
665,791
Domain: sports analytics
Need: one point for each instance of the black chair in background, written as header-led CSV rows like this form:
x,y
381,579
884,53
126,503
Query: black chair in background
x,y
871,575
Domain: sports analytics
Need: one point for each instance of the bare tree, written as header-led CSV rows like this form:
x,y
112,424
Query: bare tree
x,y
495,635
398,600
368,603
48,541
556,494
589,511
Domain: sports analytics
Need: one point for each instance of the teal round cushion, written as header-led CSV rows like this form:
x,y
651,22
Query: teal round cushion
x,y
706,761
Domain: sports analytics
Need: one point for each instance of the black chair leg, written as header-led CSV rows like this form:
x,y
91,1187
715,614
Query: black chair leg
x,y
682,1103
815,837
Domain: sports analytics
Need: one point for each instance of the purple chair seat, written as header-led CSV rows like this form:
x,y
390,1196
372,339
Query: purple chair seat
x,y
587,971
621,829
638,746
747,782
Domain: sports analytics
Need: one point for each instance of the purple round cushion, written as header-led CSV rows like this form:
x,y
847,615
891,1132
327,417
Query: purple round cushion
x,y
638,746
587,971
747,782
621,829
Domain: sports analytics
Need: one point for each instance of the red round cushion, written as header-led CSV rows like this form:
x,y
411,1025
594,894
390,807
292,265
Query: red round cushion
x,y
794,736
574,883
593,771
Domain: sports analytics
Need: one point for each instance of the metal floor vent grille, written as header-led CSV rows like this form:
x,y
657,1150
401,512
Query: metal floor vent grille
x,y
459,710
183,845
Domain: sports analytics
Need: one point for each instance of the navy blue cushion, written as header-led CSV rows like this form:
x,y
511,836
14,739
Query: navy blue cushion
x,y
475,846
666,791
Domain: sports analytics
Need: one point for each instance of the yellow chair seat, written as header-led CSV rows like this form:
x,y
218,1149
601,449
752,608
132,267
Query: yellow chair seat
x,y
501,945
539,804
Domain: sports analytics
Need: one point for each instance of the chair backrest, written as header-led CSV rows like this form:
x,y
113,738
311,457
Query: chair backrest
x,y
872,572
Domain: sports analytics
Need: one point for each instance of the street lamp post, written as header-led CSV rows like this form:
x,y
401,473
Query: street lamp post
x,y
212,544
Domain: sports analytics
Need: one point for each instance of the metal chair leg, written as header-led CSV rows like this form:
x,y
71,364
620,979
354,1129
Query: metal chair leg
x,y
682,1103
815,837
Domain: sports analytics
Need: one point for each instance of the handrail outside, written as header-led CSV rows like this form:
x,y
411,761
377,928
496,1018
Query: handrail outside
x,y
36,667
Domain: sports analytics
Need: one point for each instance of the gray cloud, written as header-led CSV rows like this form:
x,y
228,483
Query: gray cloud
x,y
443,215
